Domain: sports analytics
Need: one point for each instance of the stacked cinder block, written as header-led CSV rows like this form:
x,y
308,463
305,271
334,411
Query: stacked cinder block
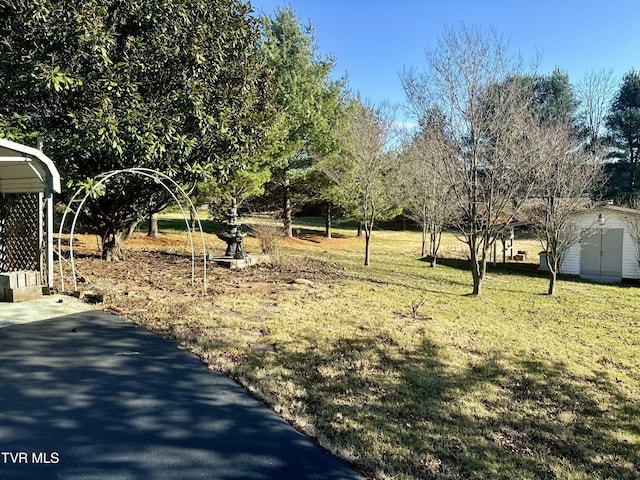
x,y
20,286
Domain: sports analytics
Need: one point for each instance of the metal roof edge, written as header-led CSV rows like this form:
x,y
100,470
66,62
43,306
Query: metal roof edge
x,y
53,177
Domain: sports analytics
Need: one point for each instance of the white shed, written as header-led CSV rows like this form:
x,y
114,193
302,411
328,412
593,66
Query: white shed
x,y
607,250
28,180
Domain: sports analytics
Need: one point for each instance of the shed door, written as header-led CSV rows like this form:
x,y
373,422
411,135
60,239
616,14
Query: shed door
x,y
601,252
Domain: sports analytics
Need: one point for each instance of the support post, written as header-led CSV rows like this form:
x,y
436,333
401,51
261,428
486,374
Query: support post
x,y
49,229
48,226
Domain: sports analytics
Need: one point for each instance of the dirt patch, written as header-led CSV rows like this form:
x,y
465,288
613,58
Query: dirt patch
x,y
251,333
260,316
151,277
223,323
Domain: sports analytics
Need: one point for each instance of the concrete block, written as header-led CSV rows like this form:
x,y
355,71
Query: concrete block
x,y
22,294
237,264
8,280
33,278
20,279
20,286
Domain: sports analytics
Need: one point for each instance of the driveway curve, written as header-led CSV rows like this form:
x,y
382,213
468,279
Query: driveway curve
x,y
90,396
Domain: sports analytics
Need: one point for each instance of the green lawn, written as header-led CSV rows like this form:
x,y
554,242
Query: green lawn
x,y
514,384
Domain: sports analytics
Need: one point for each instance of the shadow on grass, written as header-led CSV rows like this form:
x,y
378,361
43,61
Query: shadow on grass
x,y
526,269
315,235
311,234
178,225
408,278
410,415
457,263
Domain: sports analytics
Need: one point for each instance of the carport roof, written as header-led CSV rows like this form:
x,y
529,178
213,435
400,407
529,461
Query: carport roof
x,y
25,169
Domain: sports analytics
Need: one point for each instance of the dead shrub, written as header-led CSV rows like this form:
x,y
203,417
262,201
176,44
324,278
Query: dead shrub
x,y
270,235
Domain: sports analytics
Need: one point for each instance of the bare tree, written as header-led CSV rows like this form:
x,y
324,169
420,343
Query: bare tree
x,y
424,184
486,106
595,93
568,176
364,170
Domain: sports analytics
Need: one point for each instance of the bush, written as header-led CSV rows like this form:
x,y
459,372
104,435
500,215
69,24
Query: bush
x,y
270,235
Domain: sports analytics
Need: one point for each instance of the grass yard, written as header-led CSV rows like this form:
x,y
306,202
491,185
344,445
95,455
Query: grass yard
x,y
514,384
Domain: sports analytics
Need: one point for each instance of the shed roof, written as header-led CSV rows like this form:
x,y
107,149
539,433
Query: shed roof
x,y
609,209
625,210
25,169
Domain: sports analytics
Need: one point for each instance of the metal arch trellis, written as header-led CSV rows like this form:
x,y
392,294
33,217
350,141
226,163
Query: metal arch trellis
x,y
103,178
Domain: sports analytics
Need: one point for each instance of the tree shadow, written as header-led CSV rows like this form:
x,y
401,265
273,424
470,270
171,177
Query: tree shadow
x,y
180,225
498,417
456,263
519,269
313,235
114,401
411,282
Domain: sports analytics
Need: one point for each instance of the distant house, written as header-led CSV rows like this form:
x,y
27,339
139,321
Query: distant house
x,y
606,250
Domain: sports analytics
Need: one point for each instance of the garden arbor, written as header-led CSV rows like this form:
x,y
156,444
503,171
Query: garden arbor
x,y
78,201
28,180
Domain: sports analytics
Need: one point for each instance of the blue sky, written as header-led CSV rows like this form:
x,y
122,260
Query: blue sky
x,y
373,40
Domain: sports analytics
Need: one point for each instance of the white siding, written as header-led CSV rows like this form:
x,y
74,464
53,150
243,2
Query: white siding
x,y
630,268
571,263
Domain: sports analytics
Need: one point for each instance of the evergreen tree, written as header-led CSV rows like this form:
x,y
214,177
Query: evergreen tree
x,y
168,85
624,123
308,101
555,98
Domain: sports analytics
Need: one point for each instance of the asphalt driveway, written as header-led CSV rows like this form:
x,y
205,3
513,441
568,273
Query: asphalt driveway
x,y
90,396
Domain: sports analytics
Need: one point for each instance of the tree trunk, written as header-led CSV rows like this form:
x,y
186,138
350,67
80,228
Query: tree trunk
x,y
552,266
367,247
477,272
327,221
193,217
112,242
477,280
153,226
552,283
359,234
286,206
424,240
434,244
112,247
504,249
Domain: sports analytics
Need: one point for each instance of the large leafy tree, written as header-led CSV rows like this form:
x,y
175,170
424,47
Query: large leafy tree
x,y
308,100
624,124
170,85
